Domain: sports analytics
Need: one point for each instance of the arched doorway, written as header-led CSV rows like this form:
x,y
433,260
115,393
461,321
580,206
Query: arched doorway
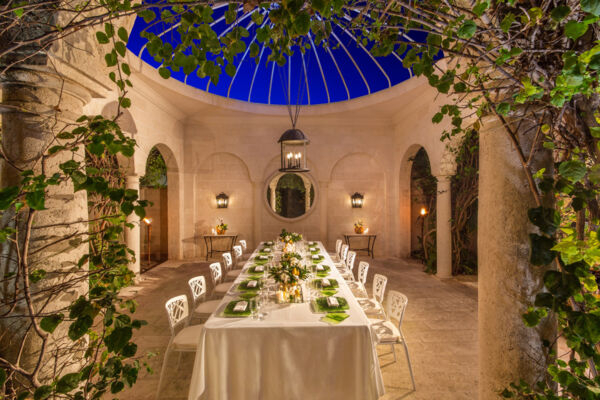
x,y
423,189
155,227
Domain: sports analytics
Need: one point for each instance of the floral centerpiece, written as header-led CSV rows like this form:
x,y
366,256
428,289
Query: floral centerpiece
x,y
221,227
288,274
289,237
359,227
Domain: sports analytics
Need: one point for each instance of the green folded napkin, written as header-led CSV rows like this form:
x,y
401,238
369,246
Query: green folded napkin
x,y
243,286
228,311
317,260
248,295
320,305
334,318
318,284
259,261
252,270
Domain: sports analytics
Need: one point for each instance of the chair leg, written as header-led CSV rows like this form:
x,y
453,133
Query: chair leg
x,y
162,372
412,377
393,352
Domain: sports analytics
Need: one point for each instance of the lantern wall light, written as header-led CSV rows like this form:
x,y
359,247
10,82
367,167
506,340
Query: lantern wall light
x,y
357,200
222,200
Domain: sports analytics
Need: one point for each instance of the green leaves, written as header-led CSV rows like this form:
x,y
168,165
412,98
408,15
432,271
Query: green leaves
x,y
573,170
575,30
467,29
546,219
101,37
591,6
7,196
68,382
541,249
560,12
165,73
50,323
118,338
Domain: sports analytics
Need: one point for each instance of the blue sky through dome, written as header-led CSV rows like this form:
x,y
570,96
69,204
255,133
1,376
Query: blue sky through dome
x,y
342,71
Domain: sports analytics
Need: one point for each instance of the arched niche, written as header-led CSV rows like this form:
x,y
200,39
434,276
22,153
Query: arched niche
x,y
356,172
310,195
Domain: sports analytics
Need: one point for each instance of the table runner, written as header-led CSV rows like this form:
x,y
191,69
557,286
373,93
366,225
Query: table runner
x,y
290,354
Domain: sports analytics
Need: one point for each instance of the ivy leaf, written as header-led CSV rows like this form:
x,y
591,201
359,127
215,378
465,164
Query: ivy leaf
x,y
573,170
480,8
80,327
541,249
591,6
7,196
122,33
467,29
230,69
302,23
2,377
164,72
560,12
437,118
547,219
503,109
36,200
118,338
42,393
101,37
68,382
50,323
507,22
120,48
575,30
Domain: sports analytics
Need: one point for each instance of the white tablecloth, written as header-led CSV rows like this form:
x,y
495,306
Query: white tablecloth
x,y
290,354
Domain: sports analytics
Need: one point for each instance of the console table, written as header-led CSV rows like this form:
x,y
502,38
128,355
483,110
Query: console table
x,y
210,239
370,242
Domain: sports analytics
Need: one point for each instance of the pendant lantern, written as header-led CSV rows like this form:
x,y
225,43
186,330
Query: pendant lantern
x,y
293,151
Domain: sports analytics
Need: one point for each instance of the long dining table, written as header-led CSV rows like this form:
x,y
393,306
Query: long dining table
x,y
289,353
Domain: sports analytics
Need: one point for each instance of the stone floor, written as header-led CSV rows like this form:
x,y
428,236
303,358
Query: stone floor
x,y
440,326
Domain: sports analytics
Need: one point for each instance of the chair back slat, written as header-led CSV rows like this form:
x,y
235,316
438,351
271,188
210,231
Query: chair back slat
x,y
243,244
177,311
227,261
237,251
350,260
344,253
216,273
198,287
338,246
379,284
363,269
397,303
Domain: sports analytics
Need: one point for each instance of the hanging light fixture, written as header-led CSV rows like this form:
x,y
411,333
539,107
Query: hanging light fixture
x,y
222,200
357,200
293,151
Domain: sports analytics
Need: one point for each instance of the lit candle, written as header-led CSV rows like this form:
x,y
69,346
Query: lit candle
x,y
289,159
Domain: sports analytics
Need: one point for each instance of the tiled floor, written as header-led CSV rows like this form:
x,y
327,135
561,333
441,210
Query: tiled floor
x,y
440,326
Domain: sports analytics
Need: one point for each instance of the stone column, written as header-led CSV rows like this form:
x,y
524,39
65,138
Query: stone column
x,y
443,227
307,186
508,350
258,197
273,187
132,235
36,103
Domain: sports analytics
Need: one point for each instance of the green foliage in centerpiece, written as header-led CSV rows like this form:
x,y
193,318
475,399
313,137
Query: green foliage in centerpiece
x,y
287,257
290,237
288,272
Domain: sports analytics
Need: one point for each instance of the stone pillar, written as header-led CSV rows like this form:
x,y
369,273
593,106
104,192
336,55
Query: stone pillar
x,y
443,227
132,235
273,187
307,186
508,350
36,103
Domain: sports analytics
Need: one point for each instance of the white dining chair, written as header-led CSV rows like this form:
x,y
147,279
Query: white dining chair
x,y
388,333
338,246
244,245
341,264
374,306
348,273
202,308
219,287
184,338
233,271
358,287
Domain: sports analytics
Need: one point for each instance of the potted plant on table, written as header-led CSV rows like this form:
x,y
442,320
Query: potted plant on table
x,y
221,227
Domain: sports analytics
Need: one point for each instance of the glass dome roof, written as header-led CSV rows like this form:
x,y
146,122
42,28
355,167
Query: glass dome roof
x,y
342,71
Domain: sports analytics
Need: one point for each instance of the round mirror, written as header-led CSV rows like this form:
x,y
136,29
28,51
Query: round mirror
x,y
290,195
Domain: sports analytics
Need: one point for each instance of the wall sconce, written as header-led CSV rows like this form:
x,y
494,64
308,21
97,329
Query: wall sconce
x,y
222,200
357,200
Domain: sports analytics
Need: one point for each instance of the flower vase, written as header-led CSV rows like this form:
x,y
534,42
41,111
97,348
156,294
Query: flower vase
x,y
359,230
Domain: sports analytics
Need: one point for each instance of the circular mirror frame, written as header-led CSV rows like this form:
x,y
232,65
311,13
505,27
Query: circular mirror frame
x,y
268,205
